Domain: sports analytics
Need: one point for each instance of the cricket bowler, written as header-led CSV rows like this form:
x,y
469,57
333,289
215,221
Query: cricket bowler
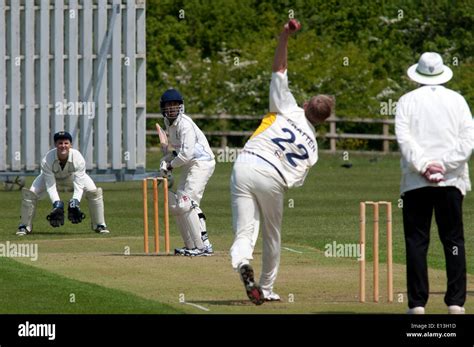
x,y
278,156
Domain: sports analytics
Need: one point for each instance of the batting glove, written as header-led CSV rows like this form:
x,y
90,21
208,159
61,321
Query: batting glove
x,y
165,167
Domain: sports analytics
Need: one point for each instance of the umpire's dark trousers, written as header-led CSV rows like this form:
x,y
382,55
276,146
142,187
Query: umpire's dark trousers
x,y
418,206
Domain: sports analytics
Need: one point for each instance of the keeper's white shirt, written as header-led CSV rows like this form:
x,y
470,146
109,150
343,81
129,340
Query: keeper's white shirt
x,y
75,170
285,138
434,124
188,140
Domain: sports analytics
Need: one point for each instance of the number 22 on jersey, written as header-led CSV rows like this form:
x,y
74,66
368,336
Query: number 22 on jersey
x,y
291,156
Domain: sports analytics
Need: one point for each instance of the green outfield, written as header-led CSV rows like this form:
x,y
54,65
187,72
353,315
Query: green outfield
x,y
78,271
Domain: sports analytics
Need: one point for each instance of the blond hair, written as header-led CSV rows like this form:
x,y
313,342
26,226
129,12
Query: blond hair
x,y
320,108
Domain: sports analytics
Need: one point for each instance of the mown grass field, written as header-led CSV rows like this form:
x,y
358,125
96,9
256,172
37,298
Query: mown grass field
x,y
78,271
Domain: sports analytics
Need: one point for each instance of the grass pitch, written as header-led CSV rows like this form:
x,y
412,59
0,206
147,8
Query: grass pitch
x,y
109,274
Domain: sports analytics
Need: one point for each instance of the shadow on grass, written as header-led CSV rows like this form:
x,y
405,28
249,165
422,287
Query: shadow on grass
x,y
64,233
335,313
469,292
223,302
142,255
171,254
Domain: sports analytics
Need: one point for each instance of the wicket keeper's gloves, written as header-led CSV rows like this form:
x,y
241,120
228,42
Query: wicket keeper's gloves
x,y
56,217
74,213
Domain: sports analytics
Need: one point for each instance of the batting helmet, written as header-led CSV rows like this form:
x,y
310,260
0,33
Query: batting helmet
x,y
171,95
168,96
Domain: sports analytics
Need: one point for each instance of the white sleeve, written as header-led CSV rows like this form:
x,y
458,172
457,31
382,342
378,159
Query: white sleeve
x,y
188,141
465,141
411,150
49,179
79,176
281,99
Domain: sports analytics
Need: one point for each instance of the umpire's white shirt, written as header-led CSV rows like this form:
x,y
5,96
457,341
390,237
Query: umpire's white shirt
x,y
434,124
74,170
189,142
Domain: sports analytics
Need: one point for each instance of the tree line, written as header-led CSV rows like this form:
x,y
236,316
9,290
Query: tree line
x,y
218,53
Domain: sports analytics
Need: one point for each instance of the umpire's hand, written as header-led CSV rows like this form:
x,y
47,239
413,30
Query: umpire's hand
x,y
74,213
56,217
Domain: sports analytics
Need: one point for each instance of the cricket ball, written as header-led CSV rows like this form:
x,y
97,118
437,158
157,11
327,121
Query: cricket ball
x,y
294,25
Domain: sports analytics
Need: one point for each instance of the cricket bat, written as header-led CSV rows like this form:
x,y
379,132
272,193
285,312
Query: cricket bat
x,y
163,139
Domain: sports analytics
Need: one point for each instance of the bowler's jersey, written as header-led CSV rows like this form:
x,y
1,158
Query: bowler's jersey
x,y
285,138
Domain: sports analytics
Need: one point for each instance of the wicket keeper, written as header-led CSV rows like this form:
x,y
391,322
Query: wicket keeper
x,y
63,167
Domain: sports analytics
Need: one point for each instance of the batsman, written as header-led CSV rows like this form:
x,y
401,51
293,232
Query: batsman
x,y
63,167
193,154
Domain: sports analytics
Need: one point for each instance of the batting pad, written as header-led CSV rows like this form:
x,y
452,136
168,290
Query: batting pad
x,y
189,223
187,220
202,219
96,207
28,207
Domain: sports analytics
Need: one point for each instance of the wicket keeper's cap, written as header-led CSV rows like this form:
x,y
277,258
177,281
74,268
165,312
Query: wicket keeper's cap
x,y
62,135
430,70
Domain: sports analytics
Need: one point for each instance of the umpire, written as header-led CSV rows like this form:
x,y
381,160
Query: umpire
x,y
435,133
63,167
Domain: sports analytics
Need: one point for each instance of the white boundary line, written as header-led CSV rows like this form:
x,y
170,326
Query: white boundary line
x,y
197,306
292,250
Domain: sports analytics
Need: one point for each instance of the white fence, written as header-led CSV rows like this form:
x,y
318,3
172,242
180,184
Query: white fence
x,y
74,65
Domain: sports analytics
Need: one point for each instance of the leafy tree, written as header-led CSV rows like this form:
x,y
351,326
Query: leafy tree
x,y
218,53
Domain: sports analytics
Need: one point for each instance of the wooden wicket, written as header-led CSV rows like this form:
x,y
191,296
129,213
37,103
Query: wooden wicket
x,y
362,224
156,216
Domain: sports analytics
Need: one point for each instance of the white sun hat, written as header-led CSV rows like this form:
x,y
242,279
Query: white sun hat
x,y
430,70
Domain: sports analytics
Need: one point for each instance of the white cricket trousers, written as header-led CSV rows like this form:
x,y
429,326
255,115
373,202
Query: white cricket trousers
x,y
194,179
39,186
257,195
